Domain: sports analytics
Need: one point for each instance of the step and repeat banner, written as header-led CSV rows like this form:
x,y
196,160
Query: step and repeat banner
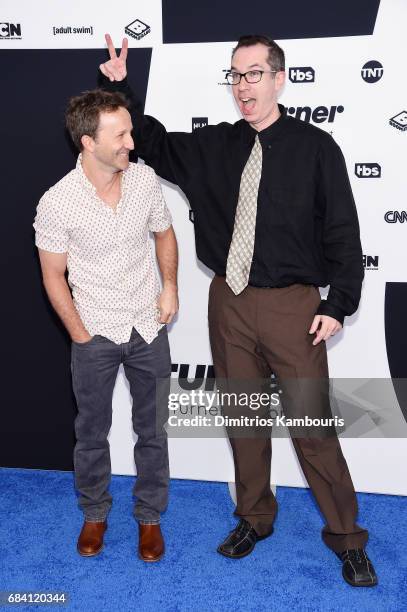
x,y
345,67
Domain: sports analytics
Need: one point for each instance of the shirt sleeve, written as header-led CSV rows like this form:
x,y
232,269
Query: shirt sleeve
x,y
341,238
51,233
160,217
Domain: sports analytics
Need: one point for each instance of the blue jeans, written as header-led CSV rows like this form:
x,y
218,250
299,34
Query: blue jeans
x,y
94,367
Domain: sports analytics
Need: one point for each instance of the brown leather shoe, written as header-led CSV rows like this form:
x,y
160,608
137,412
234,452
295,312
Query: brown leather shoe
x,y
90,541
151,543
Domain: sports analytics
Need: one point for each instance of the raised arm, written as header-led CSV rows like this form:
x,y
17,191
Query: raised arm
x,y
175,156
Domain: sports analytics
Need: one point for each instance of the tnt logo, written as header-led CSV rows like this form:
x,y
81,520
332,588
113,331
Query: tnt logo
x,y
318,115
137,29
199,122
372,72
10,31
301,74
371,262
399,121
368,170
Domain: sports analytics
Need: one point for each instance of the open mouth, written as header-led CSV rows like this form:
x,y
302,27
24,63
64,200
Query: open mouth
x,y
247,104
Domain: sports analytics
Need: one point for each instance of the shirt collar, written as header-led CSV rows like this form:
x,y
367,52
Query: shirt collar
x,y
269,133
85,182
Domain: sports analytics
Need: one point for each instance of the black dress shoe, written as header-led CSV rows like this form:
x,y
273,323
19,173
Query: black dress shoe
x,y
357,569
241,541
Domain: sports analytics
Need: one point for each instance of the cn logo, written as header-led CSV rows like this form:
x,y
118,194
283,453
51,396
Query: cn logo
x,y
368,170
304,74
199,122
372,71
10,30
137,29
395,216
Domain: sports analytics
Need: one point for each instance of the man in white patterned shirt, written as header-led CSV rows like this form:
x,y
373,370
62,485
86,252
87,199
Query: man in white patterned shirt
x,y
95,223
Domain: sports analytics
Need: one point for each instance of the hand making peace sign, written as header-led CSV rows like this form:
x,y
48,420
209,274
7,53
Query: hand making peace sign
x,y
115,68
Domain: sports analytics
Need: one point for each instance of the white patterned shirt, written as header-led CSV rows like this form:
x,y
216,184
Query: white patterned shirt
x,y
111,269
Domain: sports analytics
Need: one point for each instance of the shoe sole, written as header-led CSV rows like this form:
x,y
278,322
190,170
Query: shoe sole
x,y
150,560
359,584
231,556
92,554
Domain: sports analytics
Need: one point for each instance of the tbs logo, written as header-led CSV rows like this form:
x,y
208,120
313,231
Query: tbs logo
x,y
199,122
372,72
137,29
10,30
368,170
301,74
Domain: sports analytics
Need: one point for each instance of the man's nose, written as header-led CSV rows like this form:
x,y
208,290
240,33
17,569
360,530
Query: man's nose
x,y
243,84
130,143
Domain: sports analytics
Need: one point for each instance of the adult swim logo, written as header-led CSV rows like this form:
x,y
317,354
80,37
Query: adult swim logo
x,y
399,121
368,170
319,114
73,30
10,31
372,71
137,29
301,74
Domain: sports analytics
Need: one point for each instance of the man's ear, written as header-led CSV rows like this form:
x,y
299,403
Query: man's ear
x,y
88,143
280,80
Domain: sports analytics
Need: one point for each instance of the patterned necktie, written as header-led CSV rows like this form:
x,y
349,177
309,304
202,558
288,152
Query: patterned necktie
x,y
241,248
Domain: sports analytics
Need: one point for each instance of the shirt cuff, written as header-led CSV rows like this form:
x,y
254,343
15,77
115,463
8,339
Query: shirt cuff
x,y
325,308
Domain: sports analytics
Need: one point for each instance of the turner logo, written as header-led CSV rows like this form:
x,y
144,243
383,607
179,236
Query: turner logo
x,y
317,115
199,122
204,374
372,71
396,216
10,31
399,121
301,74
137,29
365,170
371,262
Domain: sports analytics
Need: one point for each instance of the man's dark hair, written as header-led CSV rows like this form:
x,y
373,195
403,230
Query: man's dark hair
x,y
83,112
275,59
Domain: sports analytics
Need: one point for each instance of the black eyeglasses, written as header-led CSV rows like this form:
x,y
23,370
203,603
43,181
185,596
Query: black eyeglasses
x,y
252,76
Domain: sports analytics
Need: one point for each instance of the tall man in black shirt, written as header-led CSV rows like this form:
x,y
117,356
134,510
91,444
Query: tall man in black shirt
x,y
274,219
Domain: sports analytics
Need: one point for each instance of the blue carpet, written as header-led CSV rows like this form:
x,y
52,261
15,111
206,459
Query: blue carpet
x,y
292,570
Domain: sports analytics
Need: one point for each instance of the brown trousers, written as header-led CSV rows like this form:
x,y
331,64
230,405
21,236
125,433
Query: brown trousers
x,y
265,330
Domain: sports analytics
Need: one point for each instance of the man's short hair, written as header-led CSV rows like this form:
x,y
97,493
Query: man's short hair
x,y
275,59
83,112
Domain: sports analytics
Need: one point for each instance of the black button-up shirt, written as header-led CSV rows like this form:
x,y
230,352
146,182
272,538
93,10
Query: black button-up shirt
x,y
307,227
